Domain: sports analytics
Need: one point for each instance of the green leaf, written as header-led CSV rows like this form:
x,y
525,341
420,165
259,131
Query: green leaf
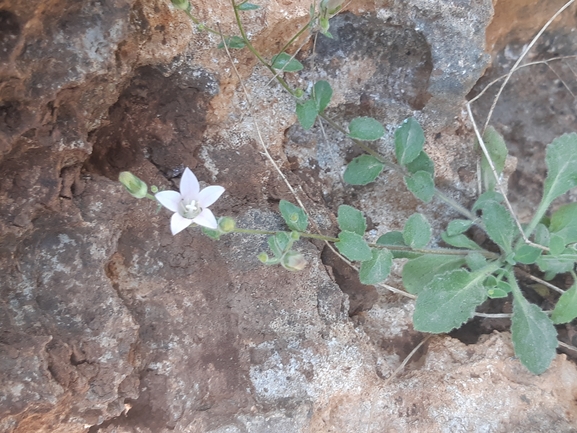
x,y
421,163
419,272
351,219
394,239
362,170
487,197
497,150
559,264
247,7
417,231
307,113
285,62
278,243
460,241
449,301
527,255
353,247
564,223
475,261
233,42
294,216
377,269
556,245
422,185
561,162
499,225
322,94
409,140
456,227
542,236
366,129
533,334
566,309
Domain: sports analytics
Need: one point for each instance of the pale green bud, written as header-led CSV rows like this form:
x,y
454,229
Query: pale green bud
x,y
136,187
293,261
226,224
181,4
263,257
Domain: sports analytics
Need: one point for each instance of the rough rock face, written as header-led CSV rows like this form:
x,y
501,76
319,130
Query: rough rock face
x,y
110,324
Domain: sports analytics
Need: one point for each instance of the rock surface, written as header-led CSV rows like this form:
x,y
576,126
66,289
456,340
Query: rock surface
x,y
110,324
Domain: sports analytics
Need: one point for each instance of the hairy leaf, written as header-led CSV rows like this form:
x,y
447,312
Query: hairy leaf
x,y
351,219
487,197
564,223
235,42
307,113
417,231
353,247
561,162
419,272
497,150
377,269
247,7
322,93
395,238
422,163
409,140
422,185
294,216
366,129
527,255
566,309
456,227
362,170
499,225
285,62
460,241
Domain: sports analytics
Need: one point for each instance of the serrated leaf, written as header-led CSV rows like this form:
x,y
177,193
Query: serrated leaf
x,y
286,63
422,185
448,301
566,309
322,94
247,7
460,241
235,42
542,236
353,247
456,227
366,129
497,150
307,113
417,231
527,255
409,140
499,225
294,216
561,159
362,170
418,273
377,269
487,197
351,219
421,163
475,261
564,223
533,334
559,264
394,239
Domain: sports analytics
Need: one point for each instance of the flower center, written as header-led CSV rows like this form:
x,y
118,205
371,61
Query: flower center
x,y
190,210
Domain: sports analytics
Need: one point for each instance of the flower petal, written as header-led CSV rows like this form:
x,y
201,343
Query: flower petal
x,y
206,219
178,223
189,186
169,199
209,195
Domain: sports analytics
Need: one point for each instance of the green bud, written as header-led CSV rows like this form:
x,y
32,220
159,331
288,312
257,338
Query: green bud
x,y
153,189
295,236
263,257
299,93
136,187
226,224
293,261
181,4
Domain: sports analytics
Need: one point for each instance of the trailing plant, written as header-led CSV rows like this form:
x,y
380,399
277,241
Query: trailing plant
x,y
448,283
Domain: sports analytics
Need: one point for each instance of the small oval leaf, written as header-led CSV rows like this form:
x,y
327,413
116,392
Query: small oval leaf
x,y
366,129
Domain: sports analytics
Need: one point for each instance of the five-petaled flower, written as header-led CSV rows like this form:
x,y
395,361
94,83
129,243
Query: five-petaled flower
x,y
191,204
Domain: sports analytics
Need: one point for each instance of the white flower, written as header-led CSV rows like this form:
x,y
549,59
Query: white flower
x,y
191,204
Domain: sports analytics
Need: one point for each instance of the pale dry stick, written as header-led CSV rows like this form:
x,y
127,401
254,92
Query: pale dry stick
x,y
498,180
292,190
540,281
520,59
406,360
567,346
495,315
538,62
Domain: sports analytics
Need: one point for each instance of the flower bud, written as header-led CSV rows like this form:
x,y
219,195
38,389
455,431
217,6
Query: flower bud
x,y
136,187
181,4
226,224
293,261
